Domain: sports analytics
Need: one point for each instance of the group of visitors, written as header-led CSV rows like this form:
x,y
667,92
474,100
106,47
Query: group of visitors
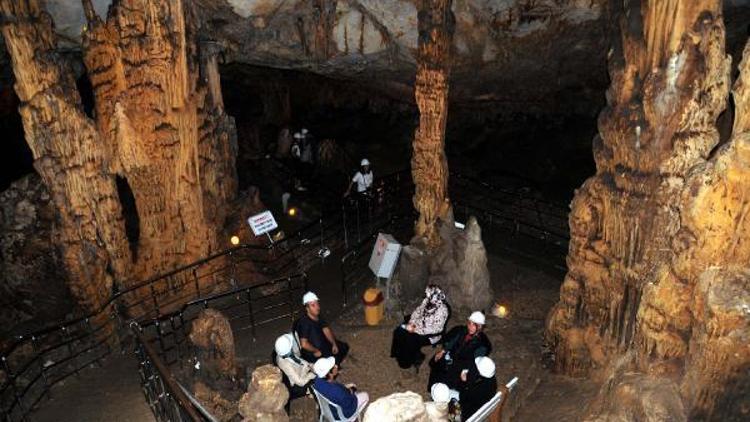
x,y
462,376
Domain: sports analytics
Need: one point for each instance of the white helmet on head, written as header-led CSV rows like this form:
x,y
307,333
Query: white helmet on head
x,y
485,366
283,345
323,366
309,297
304,131
364,162
297,135
477,318
440,393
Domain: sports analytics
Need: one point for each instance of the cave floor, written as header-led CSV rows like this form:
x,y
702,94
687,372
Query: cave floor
x,y
527,283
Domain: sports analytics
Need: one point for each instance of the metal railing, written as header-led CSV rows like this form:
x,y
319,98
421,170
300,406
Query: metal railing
x,y
34,362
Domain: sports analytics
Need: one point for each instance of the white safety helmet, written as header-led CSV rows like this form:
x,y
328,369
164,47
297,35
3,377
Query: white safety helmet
x,y
364,162
323,366
304,131
283,345
297,135
485,366
309,297
440,393
477,318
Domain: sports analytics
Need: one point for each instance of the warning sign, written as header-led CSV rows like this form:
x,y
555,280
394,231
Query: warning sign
x,y
262,223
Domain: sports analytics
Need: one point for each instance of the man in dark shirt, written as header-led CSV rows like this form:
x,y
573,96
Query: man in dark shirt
x,y
478,386
461,346
315,336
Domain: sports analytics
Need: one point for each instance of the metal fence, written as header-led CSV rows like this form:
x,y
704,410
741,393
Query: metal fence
x,y
166,303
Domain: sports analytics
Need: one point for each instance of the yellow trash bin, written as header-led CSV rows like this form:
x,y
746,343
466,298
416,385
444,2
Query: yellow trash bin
x,y
374,306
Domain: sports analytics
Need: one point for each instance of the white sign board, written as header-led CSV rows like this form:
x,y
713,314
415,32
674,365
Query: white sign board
x,y
262,223
384,255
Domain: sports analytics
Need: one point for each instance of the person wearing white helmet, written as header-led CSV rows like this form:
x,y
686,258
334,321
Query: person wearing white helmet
x,y
345,396
437,409
461,345
363,179
315,336
478,386
298,373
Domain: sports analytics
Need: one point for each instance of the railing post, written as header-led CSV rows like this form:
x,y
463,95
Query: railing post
x,y
154,300
358,222
232,269
346,230
250,312
42,368
197,284
73,357
291,300
12,378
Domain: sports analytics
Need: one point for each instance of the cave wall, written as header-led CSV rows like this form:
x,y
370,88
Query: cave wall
x,y
658,251
158,125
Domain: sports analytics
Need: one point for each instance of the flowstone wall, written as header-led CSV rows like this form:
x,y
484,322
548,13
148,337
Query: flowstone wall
x,y
659,236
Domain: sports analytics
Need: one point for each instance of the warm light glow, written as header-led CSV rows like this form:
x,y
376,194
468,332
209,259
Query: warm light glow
x,y
500,311
292,212
235,240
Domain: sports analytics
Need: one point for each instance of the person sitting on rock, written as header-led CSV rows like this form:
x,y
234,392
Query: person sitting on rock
x,y
298,372
425,326
437,409
315,336
346,397
461,346
478,386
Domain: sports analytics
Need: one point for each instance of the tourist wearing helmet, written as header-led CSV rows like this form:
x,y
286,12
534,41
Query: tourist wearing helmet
x,y
363,179
298,373
461,346
478,385
315,336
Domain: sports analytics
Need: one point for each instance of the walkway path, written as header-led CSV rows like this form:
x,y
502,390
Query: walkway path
x,y
111,393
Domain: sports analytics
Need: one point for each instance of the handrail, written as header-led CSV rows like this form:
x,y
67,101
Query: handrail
x,y
166,375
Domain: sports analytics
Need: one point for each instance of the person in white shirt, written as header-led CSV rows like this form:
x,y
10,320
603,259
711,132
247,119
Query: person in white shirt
x,y
299,373
363,179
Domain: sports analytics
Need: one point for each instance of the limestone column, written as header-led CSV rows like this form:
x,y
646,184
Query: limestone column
x,y
428,164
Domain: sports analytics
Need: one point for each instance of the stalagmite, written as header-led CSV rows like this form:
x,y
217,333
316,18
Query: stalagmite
x,y
159,126
665,209
428,164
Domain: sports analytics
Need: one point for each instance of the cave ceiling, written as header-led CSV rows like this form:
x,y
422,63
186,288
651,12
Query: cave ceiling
x,y
523,55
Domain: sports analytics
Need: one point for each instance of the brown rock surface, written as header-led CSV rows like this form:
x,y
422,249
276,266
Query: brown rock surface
x,y
31,286
212,334
265,397
665,207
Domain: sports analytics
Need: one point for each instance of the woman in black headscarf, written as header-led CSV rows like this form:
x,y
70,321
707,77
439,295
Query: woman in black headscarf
x,y
425,326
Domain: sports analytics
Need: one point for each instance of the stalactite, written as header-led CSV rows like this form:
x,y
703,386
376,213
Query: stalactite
x,y
428,163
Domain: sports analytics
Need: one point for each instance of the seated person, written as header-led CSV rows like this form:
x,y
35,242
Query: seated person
x,y
478,386
298,373
437,409
346,397
315,336
424,327
460,346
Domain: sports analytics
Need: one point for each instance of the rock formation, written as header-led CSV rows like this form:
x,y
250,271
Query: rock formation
x,y
265,397
397,407
429,166
31,287
657,254
458,265
212,335
219,407
158,132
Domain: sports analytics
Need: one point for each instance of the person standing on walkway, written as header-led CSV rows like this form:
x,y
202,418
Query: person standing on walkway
x,y
363,179
315,336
